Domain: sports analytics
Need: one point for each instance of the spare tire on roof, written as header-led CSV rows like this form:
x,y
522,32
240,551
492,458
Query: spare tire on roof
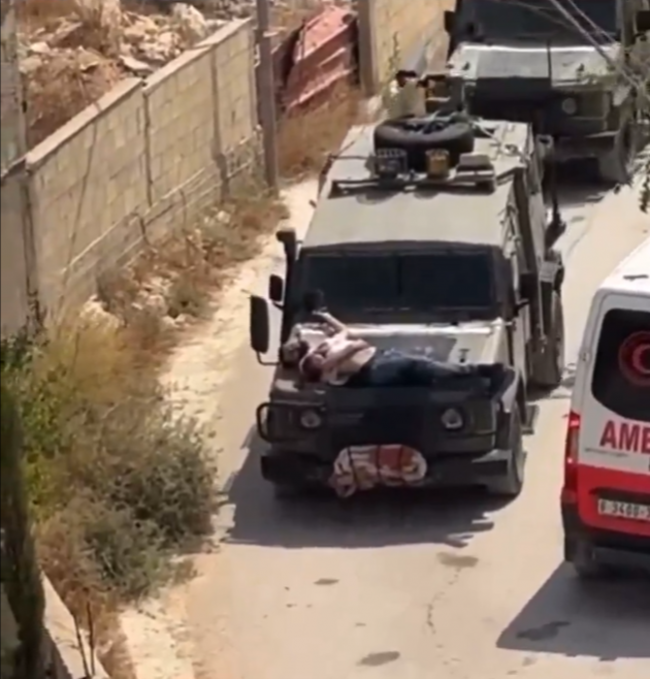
x,y
416,136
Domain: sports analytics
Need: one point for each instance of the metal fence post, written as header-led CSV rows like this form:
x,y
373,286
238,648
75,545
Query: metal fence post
x,y
368,67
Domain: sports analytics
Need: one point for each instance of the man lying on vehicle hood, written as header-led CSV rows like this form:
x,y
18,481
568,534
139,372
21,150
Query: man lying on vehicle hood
x,y
343,359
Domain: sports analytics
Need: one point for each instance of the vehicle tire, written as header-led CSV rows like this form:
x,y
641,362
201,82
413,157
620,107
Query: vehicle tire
x,y
550,366
511,484
416,136
585,566
616,166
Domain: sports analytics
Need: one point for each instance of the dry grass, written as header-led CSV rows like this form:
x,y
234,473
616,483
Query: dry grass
x,y
191,268
306,139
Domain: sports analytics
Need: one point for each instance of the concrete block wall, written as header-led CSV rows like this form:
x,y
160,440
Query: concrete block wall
x,y
409,29
85,180
140,163
14,268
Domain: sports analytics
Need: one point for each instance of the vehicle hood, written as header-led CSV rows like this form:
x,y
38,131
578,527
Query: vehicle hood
x,y
568,64
463,343
476,342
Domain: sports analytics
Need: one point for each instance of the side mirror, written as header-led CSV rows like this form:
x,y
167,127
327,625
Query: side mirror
x,y
643,21
259,329
276,288
449,21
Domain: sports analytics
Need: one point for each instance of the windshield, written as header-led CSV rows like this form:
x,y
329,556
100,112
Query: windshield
x,y
434,283
489,20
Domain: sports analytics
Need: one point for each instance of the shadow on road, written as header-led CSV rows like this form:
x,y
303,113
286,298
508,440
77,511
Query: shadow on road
x,y
372,519
605,620
578,185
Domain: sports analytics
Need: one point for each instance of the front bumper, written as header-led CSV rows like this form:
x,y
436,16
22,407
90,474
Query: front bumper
x,y
620,550
300,469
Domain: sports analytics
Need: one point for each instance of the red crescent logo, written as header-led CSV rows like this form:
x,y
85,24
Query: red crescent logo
x,y
634,359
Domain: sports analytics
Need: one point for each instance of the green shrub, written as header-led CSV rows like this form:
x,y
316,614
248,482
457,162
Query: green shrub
x,y
20,574
104,547
117,485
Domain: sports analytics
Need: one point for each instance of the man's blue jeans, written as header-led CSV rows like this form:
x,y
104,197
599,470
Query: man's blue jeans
x,y
395,368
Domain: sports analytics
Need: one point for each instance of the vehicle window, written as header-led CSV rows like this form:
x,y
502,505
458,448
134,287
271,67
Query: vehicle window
x,y
496,19
621,378
447,281
362,282
402,284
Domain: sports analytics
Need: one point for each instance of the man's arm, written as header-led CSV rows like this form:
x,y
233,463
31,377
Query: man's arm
x,y
331,321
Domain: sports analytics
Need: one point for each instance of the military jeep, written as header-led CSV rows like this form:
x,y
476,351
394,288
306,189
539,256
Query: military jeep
x,y
566,67
429,237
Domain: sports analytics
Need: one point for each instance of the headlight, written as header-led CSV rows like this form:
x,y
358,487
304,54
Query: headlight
x,y
452,419
310,419
570,106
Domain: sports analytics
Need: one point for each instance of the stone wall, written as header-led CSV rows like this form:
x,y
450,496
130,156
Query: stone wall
x,y
15,251
142,162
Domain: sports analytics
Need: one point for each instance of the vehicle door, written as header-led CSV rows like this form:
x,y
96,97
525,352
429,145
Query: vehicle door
x,y
614,440
520,317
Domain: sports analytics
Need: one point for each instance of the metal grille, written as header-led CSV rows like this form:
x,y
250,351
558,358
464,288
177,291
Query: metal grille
x,y
407,426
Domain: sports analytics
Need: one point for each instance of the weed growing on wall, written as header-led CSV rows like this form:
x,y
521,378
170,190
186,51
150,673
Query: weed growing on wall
x,y
116,485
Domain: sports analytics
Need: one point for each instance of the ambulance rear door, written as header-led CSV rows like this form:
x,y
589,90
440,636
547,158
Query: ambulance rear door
x,y
613,461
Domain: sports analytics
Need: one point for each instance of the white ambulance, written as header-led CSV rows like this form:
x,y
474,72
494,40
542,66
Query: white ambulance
x,y
606,493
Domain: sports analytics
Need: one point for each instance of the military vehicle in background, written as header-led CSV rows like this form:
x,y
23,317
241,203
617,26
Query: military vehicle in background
x,y
430,237
568,67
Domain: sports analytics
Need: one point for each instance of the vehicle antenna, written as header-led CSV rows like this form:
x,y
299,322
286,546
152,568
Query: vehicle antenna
x,y
558,225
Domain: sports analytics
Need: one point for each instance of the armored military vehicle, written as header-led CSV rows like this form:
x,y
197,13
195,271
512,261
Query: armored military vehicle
x,y
569,67
429,237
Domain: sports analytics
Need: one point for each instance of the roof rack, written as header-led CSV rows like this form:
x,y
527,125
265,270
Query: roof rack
x,y
391,172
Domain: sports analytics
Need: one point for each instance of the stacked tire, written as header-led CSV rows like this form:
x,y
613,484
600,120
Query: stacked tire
x,y
416,136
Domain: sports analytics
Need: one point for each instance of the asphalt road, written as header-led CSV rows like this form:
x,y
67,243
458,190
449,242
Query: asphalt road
x,y
445,586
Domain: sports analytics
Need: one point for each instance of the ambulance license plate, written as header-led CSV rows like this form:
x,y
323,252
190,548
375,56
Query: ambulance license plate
x,y
624,510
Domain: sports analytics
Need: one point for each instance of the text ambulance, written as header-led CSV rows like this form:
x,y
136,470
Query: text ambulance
x,y
606,492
